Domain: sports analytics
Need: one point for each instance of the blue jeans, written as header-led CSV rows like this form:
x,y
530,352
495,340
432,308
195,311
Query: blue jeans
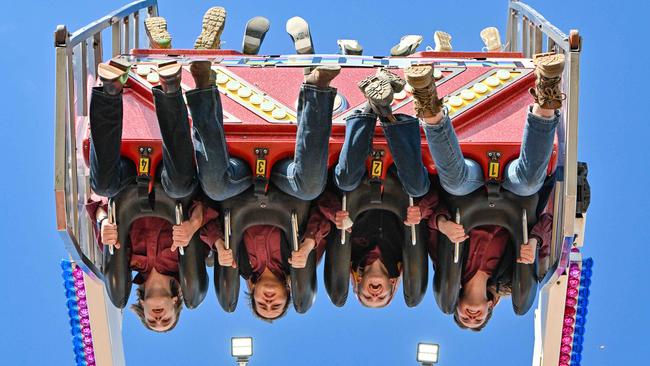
x,y
305,175
221,177
110,172
523,176
403,139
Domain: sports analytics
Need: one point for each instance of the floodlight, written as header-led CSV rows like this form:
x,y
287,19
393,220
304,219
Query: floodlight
x,y
241,347
427,353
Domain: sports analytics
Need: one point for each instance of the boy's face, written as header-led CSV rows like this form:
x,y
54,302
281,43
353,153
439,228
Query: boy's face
x,y
270,297
472,309
159,309
375,287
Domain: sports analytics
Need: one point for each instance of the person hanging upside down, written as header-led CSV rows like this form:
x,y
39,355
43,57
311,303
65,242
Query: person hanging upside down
x,y
377,235
153,240
264,264
460,176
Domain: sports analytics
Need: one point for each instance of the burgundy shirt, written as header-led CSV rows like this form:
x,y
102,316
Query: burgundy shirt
x,y
329,204
488,243
263,245
151,240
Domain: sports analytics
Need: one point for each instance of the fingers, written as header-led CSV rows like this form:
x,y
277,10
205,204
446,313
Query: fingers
x,y
226,258
413,215
109,234
526,254
339,219
298,259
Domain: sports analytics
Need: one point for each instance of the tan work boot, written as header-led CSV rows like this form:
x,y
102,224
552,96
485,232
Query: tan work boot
x,y
549,68
204,76
396,82
379,94
214,21
170,77
350,47
443,41
322,75
156,28
491,39
113,75
420,78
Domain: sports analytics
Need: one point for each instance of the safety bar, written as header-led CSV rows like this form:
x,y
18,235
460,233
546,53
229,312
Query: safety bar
x,y
528,32
227,229
414,239
77,58
179,220
294,231
457,244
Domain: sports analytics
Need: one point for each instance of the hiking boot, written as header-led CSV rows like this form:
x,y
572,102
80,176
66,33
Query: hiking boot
x,y
156,28
298,30
256,29
443,41
379,94
113,75
406,46
214,21
396,82
548,70
350,47
321,76
170,77
492,39
425,95
204,76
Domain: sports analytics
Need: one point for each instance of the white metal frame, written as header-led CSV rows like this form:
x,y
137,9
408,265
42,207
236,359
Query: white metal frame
x,y
529,32
77,58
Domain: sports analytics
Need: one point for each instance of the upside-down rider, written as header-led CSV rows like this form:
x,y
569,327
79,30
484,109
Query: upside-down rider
x,y
459,176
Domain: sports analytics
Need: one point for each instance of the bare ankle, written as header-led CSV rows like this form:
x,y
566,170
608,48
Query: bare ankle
x,y
543,112
433,120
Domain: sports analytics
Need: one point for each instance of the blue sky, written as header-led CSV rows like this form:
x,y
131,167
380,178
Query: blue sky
x,y
613,130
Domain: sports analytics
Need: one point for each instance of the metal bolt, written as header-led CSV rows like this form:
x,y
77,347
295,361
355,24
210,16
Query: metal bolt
x,y
257,151
491,204
490,154
498,155
141,150
263,205
266,151
149,150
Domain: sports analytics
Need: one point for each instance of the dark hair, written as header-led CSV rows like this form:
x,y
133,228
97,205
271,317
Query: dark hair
x,y
251,301
138,309
491,295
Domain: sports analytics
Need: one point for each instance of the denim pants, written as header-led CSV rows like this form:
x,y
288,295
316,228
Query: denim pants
x,y
305,175
110,173
221,176
403,138
523,176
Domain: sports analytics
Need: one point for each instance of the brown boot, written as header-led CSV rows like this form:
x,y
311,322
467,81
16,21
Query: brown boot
x,y
420,78
204,76
322,75
547,92
113,77
379,94
214,21
156,28
170,77
396,82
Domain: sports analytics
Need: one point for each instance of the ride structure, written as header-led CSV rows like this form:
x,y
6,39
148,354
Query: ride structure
x,y
487,97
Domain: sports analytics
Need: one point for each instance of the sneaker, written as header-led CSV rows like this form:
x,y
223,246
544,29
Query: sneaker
x,y
321,76
202,73
406,46
156,28
256,29
379,94
170,77
350,47
298,30
443,41
425,95
492,39
548,70
396,82
214,21
112,77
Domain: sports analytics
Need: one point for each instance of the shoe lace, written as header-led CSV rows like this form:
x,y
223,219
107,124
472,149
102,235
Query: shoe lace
x,y
549,89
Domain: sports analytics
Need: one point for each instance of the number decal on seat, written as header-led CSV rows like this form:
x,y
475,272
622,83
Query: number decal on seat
x,y
260,167
377,167
144,166
493,171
